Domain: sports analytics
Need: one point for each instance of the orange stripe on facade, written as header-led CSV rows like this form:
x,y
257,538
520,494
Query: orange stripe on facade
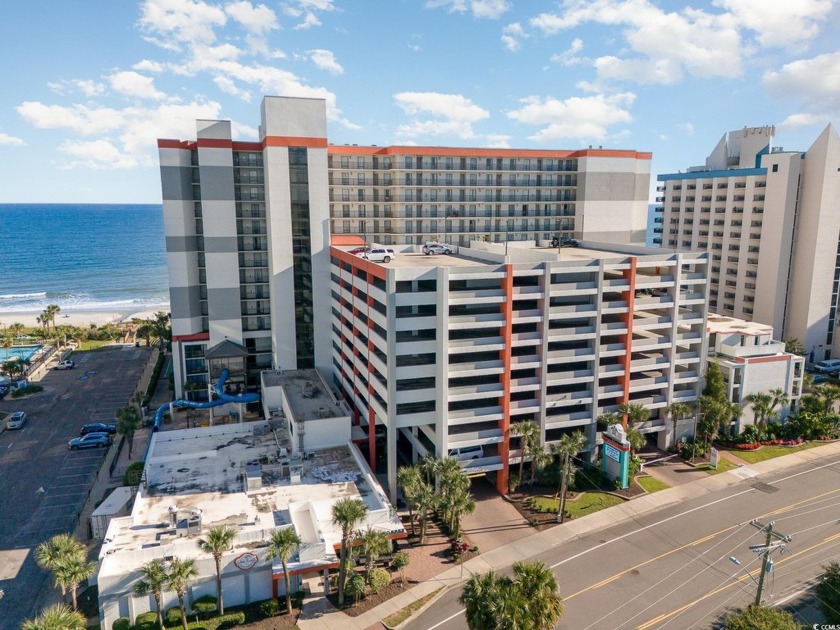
x,y
202,336
214,143
781,357
175,144
504,400
630,276
294,141
359,263
335,149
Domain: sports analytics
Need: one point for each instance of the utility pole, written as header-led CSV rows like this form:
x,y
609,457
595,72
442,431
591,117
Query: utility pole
x,y
765,550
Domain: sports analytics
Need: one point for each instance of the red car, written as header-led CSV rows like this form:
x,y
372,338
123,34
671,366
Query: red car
x,y
359,250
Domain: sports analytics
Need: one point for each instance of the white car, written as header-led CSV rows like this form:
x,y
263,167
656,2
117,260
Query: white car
x,y
16,420
65,365
435,248
379,254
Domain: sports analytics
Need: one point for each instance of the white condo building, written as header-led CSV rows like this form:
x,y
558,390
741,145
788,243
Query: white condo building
x,y
769,220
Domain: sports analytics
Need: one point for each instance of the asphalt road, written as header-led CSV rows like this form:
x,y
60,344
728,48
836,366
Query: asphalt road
x,y
43,485
671,569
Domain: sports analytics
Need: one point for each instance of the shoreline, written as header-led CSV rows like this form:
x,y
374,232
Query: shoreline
x,y
79,318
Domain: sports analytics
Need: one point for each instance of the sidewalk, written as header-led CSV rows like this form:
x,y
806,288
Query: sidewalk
x,y
320,615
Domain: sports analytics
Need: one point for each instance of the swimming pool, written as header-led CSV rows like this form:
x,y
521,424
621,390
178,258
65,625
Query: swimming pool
x,y
18,352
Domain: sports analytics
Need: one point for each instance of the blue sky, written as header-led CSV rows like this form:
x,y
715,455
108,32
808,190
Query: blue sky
x,y
89,85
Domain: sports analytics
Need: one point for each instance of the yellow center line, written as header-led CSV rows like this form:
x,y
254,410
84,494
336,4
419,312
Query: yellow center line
x,y
735,581
694,543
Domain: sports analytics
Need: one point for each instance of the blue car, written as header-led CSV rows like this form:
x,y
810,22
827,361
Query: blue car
x,y
91,440
98,427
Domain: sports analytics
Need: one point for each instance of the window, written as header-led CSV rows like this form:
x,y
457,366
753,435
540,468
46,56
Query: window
x,y
345,210
775,168
473,164
409,161
345,161
409,211
409,226
434,162
345,179
362,211
449,163
361,194
345,227
360,179
360,161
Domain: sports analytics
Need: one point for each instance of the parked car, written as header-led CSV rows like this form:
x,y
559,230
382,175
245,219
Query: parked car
x,y
65,365
98,427
4,389
435,248
819,378
568,241
91,440
358,250
16,420
379,254
466,453
829,365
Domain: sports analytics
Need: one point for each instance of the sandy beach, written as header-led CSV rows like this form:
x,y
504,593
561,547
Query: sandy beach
x,y
75,318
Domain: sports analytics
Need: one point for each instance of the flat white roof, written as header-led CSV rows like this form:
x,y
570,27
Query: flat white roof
x,y
719,324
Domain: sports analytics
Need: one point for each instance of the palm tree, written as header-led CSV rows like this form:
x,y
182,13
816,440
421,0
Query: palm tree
x,y
217,542
540,458
71,572
425,500
408,478
128,421
16,329
762,408
347,513
461,502
528,433
181,573
537,585
400,561
55,552
428,465
154,580
829,394
479,598
283,544
679,411
56,617
374,545
635,414
565,449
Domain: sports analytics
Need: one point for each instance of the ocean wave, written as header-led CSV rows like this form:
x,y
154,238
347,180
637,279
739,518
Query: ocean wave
x,y
23,296
82,302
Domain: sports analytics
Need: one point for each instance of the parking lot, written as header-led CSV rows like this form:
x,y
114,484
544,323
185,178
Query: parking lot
x,y
43,485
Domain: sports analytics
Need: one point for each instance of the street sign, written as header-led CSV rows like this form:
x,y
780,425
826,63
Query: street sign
x,y
713,462
611,452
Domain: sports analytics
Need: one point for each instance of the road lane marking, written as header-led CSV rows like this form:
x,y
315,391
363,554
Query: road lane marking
x,y
448,619
739,579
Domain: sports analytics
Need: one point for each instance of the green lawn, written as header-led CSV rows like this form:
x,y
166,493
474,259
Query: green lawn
x,y
93,344
723,466
769,452
401,615
586,503
652,485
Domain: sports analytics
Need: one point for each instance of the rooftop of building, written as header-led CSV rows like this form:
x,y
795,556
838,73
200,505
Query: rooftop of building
x,y
306,393
719,324
235,475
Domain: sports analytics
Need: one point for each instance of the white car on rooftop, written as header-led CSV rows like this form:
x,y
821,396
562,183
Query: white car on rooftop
x,y
379,254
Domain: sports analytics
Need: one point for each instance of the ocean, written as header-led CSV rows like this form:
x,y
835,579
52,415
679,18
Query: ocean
x,y
82,257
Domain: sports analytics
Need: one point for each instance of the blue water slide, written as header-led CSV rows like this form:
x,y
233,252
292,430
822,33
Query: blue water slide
x,y
223,398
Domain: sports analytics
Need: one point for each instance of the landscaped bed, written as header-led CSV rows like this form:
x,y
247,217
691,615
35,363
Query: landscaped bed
x,y
764,452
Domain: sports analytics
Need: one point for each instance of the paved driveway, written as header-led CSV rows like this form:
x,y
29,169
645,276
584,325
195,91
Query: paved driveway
x,y
43,485
495,522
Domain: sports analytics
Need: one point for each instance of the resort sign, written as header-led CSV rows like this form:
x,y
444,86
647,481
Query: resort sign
x,y
245,561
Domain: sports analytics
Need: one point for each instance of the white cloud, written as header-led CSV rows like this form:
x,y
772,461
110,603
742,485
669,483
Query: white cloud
x,y
569,56
86,87
667,44
512,34
816,81
136,85
226,85
444,114
497,141
488,9
133,130
7,140
146,65
171,22
787,24
795,121
686,128
309,10
325,60
258,20
584,118
96,154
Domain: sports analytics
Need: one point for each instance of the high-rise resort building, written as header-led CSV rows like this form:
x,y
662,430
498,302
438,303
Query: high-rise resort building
x,y
438,352
770,220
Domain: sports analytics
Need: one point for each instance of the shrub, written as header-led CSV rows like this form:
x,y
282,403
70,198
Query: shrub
x,y
204,605
146,621
355,587
172,616
123,623
269,607
513,483
24,391
132,474
379,580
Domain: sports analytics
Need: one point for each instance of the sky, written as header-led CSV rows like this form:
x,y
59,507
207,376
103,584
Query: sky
x,y
89,85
